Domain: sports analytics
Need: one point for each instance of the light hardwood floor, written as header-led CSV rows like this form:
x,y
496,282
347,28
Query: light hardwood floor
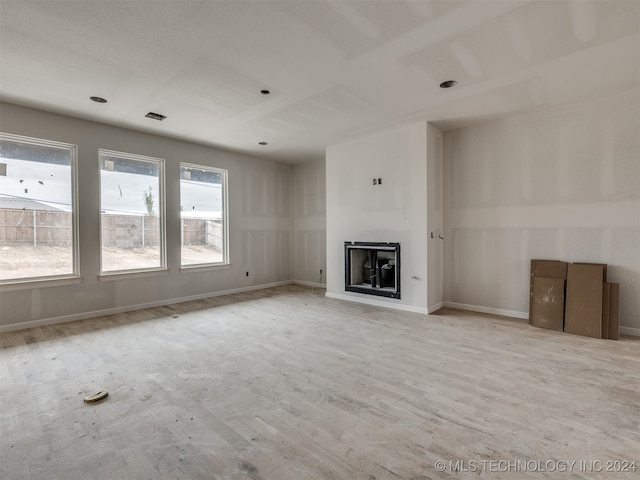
x,y
287,384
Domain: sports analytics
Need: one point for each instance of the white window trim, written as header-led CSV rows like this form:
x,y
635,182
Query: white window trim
x,y
203,267
49,280
225,263
137,273
113,274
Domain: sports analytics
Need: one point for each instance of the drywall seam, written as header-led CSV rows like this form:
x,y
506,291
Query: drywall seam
x,y
583,215
493,311
12,327
377,303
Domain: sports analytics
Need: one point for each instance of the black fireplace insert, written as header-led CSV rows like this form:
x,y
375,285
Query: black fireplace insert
x,y
372,268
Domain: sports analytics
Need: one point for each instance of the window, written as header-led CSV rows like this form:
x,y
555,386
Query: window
x,y
132,212
203,215
38,217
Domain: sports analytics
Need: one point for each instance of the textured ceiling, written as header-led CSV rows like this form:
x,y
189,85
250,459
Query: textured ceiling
x,y
335,69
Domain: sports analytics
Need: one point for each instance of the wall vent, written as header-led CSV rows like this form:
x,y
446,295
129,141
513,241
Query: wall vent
x,y
155,116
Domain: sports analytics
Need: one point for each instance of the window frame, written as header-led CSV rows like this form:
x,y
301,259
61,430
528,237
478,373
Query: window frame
x,y
224,174
56,279
104,275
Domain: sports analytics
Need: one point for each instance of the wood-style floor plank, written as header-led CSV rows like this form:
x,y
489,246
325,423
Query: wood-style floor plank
x,y
287,384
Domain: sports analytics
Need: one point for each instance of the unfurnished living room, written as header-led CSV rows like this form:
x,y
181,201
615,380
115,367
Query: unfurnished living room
x,y
319,239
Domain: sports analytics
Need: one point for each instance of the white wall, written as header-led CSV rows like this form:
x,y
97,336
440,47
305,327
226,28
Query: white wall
x,y
395,211
435,219
561,183
259,222
309,223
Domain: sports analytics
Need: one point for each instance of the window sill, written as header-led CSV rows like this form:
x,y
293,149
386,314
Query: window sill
x,y
120,275
30,283
204,267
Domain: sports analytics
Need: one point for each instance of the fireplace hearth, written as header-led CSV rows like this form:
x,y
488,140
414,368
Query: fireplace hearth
x,y
372,268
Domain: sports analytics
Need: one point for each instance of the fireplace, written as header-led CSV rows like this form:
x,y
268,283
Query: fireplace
x,y
372,268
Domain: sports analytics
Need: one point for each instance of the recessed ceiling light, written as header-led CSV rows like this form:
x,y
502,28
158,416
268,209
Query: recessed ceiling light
x,y
448,84
155,116
265,92
98,99
263,143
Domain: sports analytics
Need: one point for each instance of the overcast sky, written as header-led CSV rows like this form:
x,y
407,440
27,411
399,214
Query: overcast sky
x,y
47,182
121,192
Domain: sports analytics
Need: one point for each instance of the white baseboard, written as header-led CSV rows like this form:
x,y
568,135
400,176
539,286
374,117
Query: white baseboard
x,y
131,308
310,284
436,307
492,311
377,303
634,332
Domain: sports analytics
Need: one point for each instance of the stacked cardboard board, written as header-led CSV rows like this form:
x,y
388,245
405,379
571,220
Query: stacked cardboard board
x,y
583,310
574,298
546,299
610,311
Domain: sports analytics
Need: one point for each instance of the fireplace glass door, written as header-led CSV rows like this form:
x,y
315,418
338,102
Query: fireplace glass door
x,y
372,268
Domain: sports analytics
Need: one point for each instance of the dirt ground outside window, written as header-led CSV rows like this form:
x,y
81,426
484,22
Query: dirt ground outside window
x,y
26,261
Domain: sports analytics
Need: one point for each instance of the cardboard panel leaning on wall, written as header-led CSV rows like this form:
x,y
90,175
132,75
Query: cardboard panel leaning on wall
x,y
612,312
583,315
547,292
547,309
